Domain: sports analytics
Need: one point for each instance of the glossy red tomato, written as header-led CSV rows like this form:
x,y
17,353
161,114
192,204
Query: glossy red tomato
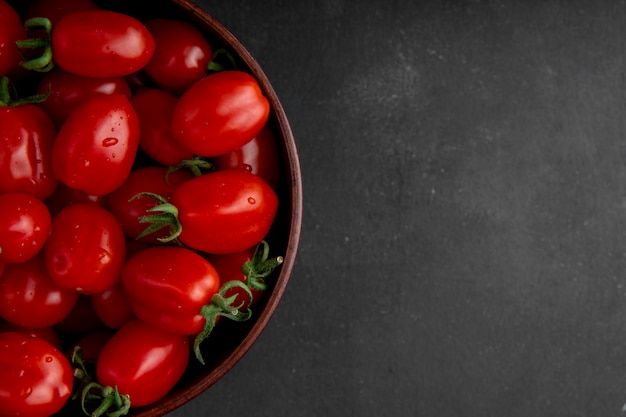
x,y
96,147
168,286
220,113
128,210
36,379
53,10
155,108
143,362
29,297
26,138
24,227
11,30
86,249
112,307
259,156
68,90
181,56
225,211
101,43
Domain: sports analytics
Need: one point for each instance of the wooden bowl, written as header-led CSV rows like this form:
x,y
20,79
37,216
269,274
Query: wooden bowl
x,y
230,340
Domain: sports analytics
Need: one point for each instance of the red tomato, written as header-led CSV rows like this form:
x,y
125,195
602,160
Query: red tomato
x,y
11,31
68,90
112,307
225,211
26,138
147,179
36,379
24,227
63,196
29,297
259,156
143,362
181,55
155,108
86,249
101,43
96,147
82,319
220,113
46,333
168,286
53,10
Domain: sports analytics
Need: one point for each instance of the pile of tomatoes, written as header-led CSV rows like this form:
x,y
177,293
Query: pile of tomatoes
x,y
137,185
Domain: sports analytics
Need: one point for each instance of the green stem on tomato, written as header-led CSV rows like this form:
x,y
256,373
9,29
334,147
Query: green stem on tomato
x,y
108,400
160,216
222,306
197,165
216,66
8,95
260,266
43,62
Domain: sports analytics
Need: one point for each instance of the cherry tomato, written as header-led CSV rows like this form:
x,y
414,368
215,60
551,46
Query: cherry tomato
x,y
146,179
63,196
82,319
143,362
24,227
36,379
167,286
11,30
220,113
96,147
29,297
46,333
112,307
225,211
181,55
155,108
101,43
86,249
68,90
259,156
53,10
26,138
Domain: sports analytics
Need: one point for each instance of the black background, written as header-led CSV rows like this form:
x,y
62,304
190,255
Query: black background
x,y
464,240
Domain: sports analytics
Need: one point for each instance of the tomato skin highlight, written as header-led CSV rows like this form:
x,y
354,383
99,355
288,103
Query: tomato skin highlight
x,y
225,211
36,379
24,227
96,147
30,298
86,249
143,362
168,286
101,43
220,113
27,135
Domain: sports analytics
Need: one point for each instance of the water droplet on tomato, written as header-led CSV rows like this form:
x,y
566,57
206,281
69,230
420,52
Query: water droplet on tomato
x,y
251,200
109,142
48,359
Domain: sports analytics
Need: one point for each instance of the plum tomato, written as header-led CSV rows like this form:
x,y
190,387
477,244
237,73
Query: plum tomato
x,y
181,55
24,227
155,108
29,297
143,362
101,43
86,249
11,31
167,286
96,147
36,379
112,307
27,135
128,210
220,113
68,90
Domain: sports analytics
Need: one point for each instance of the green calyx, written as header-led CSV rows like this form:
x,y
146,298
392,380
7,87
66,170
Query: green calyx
x,y
160,216
222,60
8,95
104,401
260,266
37,46
197,165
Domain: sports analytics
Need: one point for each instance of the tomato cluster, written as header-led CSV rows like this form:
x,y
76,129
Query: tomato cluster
x,y
137,187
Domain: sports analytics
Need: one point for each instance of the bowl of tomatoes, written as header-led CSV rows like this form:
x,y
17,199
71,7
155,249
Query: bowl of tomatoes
x,y
150,201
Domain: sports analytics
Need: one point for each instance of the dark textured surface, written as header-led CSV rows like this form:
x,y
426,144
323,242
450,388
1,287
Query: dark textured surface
x,y
464,244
